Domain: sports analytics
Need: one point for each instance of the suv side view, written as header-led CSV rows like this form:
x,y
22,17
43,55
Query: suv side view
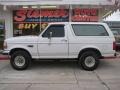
x,y
87,42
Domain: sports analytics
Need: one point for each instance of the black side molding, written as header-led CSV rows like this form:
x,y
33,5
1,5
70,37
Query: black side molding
x,y
30,45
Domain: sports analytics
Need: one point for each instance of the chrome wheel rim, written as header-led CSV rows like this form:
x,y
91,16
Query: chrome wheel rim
x,y
89,61
19,61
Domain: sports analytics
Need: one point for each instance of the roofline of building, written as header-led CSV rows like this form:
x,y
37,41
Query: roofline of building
x,y
55,2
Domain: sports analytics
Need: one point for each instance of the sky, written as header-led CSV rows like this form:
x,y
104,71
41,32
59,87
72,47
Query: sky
x,y
114,17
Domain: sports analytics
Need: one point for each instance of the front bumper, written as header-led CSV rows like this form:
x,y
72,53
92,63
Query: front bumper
x,y
1,51
5,52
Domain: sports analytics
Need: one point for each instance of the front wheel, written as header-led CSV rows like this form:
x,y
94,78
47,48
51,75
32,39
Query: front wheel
x,y
89,60
20,60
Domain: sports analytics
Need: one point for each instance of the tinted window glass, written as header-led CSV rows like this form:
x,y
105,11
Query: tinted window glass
x,y
57,31
89,30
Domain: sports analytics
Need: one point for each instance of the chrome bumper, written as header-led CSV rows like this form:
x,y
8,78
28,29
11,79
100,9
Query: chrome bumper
x,y
5,52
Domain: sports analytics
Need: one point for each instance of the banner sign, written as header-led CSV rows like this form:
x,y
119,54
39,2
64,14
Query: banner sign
x,y
54,15
26,16
84,15
44,15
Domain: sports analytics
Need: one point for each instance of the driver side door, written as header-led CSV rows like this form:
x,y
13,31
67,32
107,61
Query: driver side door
x,y
53,43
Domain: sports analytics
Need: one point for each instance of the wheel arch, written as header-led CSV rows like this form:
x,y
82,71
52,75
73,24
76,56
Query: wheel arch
x,y
19,49
90,49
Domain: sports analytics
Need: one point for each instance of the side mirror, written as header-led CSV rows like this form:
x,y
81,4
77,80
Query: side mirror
x,y
50,35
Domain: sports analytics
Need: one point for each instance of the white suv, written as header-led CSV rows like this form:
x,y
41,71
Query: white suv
x,y
86,42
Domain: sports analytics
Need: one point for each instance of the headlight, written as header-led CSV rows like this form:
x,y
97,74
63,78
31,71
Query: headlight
x,y
5,45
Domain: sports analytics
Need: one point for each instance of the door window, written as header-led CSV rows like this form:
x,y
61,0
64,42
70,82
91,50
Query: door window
x,y
57,31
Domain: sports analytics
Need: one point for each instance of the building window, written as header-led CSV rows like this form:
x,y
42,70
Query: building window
x,y
2,32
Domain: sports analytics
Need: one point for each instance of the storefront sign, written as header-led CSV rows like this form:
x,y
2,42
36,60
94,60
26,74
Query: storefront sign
x,y
33,21
44,15
27,26
84,15
26,16
54,15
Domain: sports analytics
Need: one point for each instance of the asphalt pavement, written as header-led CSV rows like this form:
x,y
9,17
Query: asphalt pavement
x,y
60,75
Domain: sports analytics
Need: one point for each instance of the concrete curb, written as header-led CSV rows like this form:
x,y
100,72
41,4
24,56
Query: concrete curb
x,y
4,57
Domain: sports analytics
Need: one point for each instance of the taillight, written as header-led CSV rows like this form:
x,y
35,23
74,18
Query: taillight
x,y
5,45
114,46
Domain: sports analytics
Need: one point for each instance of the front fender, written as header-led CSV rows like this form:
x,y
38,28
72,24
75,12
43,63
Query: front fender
x,y
32,50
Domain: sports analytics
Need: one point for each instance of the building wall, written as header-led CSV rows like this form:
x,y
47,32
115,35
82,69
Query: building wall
x,y
49,2
7,16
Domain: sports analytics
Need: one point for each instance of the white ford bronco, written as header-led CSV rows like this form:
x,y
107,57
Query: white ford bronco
x,y
84,41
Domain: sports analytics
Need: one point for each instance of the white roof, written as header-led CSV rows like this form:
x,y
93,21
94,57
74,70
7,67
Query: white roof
x,y
57,2
77,23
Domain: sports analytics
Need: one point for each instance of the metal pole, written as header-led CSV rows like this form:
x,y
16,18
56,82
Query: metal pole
x,y
70,13
40,19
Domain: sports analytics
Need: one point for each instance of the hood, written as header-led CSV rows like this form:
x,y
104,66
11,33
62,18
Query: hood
x,y
22,39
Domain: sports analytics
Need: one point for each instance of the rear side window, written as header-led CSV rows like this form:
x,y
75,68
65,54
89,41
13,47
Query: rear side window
x,y
89,30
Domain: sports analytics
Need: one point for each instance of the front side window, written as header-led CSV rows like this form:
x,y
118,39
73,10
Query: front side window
x,y
89,30
57,31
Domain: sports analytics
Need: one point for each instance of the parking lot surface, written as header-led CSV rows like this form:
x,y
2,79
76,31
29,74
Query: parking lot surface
x,y
60,75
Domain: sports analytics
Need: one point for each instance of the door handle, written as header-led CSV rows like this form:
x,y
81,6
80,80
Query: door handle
x,y
64,40
30,45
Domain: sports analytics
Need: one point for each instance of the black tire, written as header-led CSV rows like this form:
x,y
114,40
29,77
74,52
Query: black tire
x,y
89,57
20,55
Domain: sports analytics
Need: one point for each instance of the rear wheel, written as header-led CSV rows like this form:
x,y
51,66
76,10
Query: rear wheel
x,y
89,60
20,60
